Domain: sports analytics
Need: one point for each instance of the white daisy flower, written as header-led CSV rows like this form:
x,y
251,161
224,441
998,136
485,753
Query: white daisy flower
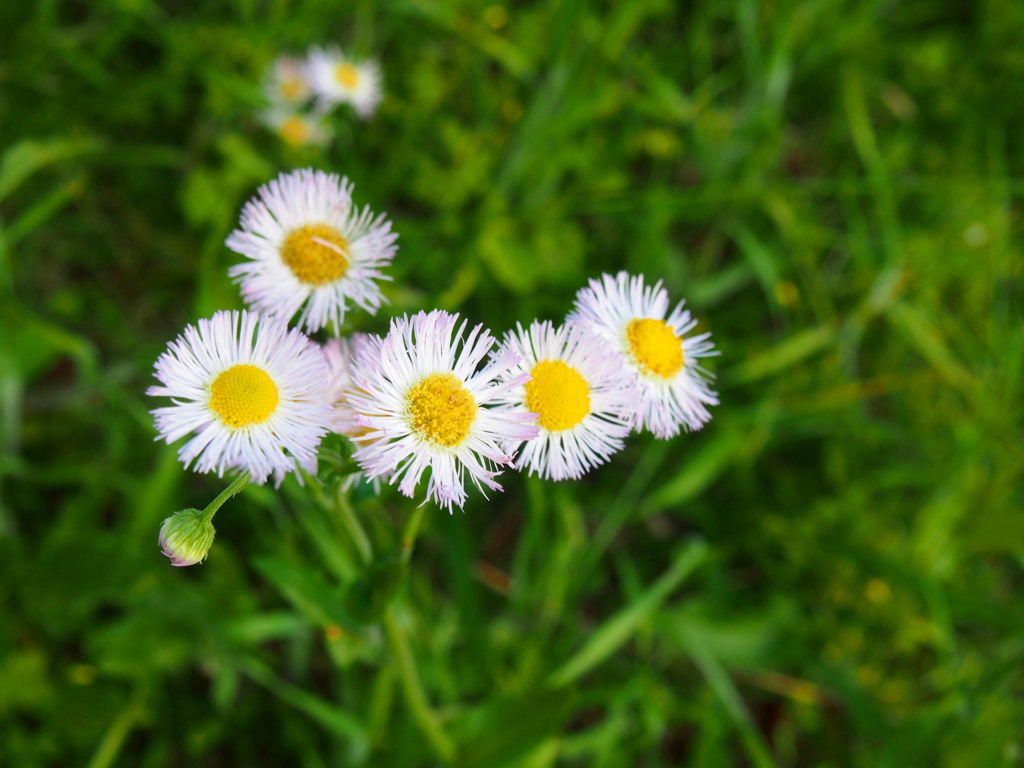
x,y
287,81
251,391
310,249
673,387
338,79
580,392
295,128
425,406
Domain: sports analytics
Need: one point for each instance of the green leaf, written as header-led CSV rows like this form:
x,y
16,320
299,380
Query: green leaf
x,y
28,156
25,684
759,257
744,638
721,684
507,728
922,333
368,598
256,628
45,208
615,632
326,713
788,353
314,597
33,344
713,457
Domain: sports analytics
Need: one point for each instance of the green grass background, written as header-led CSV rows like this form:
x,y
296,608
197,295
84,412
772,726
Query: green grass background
x,y
829,574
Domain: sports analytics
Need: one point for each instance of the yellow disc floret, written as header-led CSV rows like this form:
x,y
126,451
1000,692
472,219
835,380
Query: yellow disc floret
x,y
655,347
291,88
558,394
243,395
316,254
347,76
294,131
441,409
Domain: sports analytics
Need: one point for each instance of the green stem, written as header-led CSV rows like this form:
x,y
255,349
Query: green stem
x,y
379,709
414,696
411,531
354,527
313,483
118,731
236,485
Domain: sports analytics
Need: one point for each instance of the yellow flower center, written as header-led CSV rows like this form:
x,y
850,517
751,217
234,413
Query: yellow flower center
x,y
316,254
291,88
558,394
441,409
243,395
655,346
294,131
347,76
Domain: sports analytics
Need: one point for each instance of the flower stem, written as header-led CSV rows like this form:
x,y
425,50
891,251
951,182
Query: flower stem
x,y
236,485
414,696
411,531
354,527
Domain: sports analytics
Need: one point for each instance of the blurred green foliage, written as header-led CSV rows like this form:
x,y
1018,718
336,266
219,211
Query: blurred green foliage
x,y
829,574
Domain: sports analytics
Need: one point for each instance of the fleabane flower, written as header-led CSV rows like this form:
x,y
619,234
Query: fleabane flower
x,y
580,391
340,79
295,128
340,354
250,391
310,250
287,81
425,406
672,388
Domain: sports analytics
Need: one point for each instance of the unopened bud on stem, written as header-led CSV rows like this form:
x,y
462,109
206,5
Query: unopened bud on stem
x,y
186,536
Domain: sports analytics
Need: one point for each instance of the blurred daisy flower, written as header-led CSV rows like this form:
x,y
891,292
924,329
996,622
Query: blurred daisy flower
x,y
425,406
580,392
295,128
310,250
338,79
287,82
673,389
250,391
340,353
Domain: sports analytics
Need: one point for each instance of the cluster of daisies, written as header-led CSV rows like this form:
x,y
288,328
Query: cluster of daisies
x,y
301,92
433,399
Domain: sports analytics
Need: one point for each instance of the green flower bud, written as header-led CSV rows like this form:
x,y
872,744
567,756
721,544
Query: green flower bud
x,y
186,536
